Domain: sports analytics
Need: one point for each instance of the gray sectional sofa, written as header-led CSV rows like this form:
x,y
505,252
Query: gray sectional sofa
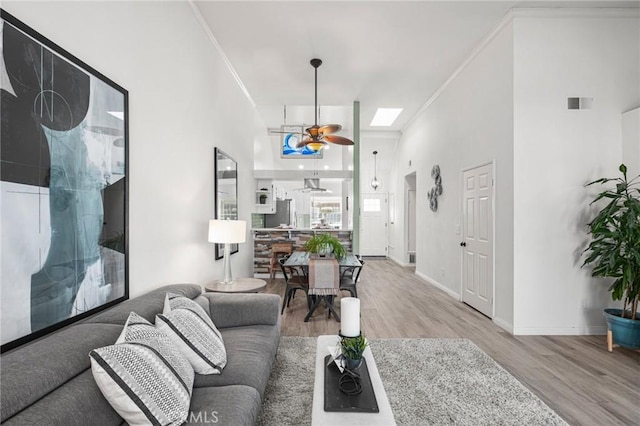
x,y
49,381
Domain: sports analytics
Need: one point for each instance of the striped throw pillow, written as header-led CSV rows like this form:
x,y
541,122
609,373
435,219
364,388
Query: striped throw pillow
x,y
143,376
194,334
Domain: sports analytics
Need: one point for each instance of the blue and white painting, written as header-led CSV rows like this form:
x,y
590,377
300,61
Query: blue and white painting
x,y
291,136
62,187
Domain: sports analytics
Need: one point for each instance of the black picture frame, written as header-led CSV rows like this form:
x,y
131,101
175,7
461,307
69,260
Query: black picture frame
x,y
225,193
64,172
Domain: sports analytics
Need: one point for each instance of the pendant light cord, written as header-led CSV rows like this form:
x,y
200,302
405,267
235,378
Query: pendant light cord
x,y
316,94
375,165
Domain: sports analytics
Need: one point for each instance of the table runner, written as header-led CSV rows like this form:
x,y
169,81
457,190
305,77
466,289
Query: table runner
x,y
324,277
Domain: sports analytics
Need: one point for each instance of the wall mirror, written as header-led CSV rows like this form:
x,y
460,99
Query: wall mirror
x,y
225,193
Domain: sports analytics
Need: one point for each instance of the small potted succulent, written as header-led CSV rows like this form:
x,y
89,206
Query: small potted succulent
x,y
352,349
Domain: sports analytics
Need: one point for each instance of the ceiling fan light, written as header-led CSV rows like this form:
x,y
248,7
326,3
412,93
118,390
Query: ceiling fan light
x,y
316,146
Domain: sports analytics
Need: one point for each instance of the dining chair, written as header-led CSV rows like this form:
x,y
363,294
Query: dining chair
x,y
349,279
324,285
278,251
294,281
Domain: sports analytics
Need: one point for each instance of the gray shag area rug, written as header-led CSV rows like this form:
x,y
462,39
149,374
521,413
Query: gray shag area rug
x,y
428,382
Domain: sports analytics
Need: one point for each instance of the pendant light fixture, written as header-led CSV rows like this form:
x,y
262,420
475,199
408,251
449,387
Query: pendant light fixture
x,y
375,182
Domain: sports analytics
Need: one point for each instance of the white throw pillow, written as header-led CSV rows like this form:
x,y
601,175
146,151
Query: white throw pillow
x,y
194,334
143,376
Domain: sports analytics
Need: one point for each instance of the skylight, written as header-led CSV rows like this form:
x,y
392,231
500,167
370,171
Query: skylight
x,y
385,116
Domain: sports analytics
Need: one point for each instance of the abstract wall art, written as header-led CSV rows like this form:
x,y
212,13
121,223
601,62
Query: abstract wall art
x,y
63,187
436,191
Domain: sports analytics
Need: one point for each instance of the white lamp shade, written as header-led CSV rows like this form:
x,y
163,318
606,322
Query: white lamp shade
x,y
227,231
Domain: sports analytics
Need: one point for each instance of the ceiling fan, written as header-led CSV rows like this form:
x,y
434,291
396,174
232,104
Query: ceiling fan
x,y
316,137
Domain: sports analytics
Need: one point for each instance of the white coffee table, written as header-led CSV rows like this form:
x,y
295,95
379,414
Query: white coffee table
x,y
319,417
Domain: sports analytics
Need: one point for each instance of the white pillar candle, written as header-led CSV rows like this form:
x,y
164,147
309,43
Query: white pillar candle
x,y
350,313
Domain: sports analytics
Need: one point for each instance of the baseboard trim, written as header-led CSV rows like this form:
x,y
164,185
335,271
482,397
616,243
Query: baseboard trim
x,y
503,324
439,286
399,262
596,330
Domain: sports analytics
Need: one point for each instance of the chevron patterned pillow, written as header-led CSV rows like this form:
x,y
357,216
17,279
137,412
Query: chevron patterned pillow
x,y
143,376
194,334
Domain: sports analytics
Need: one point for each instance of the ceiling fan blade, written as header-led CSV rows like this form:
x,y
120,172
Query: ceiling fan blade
x,y
337,140
327,129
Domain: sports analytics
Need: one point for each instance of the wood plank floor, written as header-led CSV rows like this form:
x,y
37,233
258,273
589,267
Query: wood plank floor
x,y
574,375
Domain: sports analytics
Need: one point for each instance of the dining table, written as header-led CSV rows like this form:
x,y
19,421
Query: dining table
x,y
300,259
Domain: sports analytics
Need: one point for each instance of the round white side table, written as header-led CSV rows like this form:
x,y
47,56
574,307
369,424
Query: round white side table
x,y
238,285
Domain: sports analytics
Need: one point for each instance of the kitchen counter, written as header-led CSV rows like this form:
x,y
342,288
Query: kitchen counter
x,y
301,229
263,238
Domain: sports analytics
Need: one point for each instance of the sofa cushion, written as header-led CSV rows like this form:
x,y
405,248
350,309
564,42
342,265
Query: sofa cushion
x,y
235,405
77,403
250,354
144,377
32,371
194,334
147,306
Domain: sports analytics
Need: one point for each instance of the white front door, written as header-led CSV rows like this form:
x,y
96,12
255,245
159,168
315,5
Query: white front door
x,y
373,224
477,242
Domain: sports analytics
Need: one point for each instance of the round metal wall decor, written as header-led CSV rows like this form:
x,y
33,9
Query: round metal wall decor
x,y
434,192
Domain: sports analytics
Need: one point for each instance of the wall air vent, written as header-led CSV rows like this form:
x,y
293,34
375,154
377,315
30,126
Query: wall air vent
x,y
579,103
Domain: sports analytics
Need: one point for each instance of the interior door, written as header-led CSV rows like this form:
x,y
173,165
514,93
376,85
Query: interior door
x,y
373,224
477,243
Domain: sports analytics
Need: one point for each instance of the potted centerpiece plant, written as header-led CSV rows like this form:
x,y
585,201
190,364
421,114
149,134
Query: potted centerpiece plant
x,y
614,252
325,244
352,349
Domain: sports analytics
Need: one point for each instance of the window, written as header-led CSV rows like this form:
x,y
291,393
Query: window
x,y
326,211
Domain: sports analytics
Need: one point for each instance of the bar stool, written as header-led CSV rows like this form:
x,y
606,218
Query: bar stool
x,y
278,251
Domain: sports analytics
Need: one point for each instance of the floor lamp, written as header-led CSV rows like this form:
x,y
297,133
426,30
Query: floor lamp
x,y
227,232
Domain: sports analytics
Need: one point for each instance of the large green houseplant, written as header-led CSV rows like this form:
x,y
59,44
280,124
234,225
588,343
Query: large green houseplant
x,y
325,243
614,252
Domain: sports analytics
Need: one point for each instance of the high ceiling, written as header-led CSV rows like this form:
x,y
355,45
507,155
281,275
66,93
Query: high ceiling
x,y
381,53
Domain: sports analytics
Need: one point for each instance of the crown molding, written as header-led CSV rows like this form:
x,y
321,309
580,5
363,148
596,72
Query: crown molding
x,y
216,45
567,12
475,52
576,12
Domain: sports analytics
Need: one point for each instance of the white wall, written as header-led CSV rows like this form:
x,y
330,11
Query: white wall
x,y
631,141
557,151
384,143
183,102
469,124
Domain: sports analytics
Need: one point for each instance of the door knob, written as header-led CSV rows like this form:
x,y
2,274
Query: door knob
x,y
463,244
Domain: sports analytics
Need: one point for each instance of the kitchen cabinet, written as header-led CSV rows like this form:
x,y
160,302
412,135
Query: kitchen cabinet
x,y
265,197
